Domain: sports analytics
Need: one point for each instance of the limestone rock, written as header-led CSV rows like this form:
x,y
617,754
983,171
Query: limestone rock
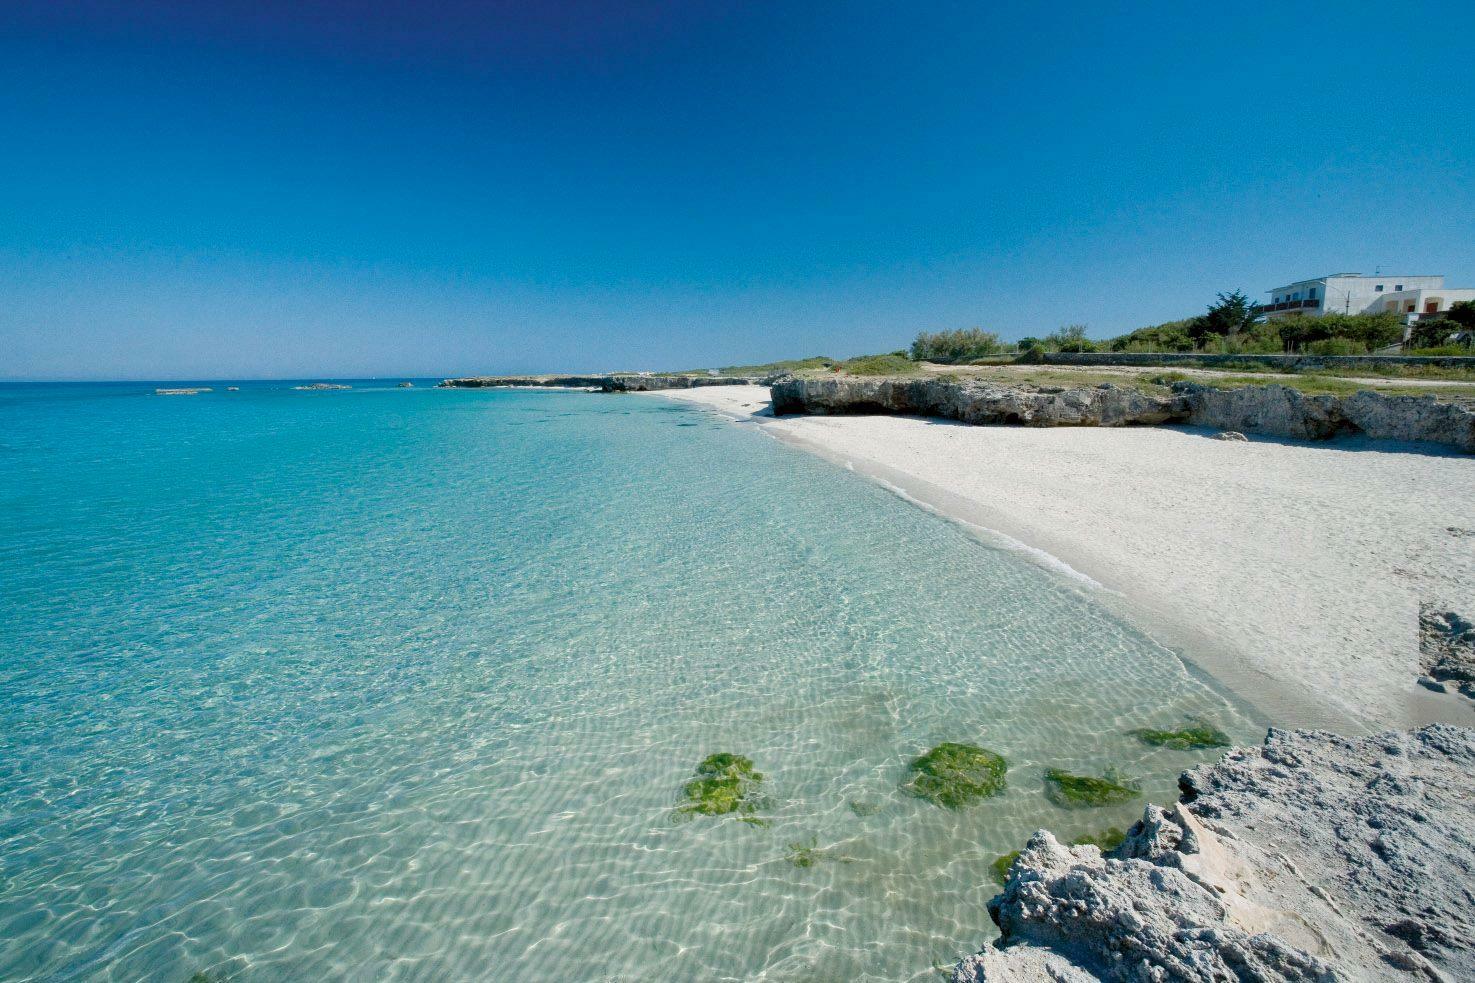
x,y
1447,650
1230,435
1313,857
976,401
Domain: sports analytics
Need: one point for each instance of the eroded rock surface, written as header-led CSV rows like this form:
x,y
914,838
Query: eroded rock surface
x,y
976,401
1313,857
1447,651
1270,409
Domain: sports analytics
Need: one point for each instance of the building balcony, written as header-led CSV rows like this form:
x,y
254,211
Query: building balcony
x,y
1288,305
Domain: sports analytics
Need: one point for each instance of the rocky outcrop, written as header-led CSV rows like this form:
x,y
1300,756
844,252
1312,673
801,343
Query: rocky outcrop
x,y
976,401
1447,650
1274,410
1285,412
621,382
321,386
1313,857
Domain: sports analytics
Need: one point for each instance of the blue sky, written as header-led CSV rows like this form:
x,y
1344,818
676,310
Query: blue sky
x,y
277,189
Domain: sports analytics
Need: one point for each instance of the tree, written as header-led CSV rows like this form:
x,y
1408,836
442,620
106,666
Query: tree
x,y
1230,315
1462,312
955,346
1071,338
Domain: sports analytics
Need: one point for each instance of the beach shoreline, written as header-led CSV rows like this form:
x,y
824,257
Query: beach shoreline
x,y
1291,573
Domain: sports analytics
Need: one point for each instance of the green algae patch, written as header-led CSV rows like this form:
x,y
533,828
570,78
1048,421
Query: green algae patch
x,y
1192,736
803,854
1086,792
726,785
1107,839
955,775
1002,864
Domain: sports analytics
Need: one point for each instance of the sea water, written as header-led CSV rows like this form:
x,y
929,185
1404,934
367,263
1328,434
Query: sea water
x,y
405,684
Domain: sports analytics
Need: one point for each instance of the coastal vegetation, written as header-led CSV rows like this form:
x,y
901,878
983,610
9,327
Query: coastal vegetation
x,y
726,784
1070,791
954,775
955,347
1191,736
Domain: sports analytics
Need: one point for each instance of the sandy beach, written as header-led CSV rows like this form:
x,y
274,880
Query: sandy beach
x,y
1290,572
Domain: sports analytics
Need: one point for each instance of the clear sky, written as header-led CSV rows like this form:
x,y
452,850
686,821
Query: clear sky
x,y
287,188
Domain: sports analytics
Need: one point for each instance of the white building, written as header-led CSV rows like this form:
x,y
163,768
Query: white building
x,y
1412,297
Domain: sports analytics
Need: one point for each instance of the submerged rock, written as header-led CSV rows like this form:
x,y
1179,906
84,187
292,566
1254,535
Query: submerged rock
x,y
1311,858
1192,736
954,775
1086,792
726,784
1230,435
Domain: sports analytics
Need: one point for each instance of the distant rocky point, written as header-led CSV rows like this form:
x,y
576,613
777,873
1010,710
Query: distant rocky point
x,y
407,385
315,386
1312,858
619,382
186,391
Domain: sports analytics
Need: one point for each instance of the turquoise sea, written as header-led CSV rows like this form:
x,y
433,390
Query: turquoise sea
x,y
405,684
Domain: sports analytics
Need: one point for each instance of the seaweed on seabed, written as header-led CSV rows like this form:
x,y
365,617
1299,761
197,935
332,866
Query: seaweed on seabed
x,y
1002,864
1107,839
954,775
1086,792
1191,736
726,784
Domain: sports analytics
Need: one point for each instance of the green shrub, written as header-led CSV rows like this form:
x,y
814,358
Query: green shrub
x,y
1336,346
1071,338
948,347
879,365
1443,350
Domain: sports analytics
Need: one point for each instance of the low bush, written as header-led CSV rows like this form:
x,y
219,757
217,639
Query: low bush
x,y
1336,346
879,365
949,347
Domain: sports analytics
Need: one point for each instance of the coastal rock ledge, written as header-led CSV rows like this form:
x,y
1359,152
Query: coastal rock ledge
x,y
1273,410
1314,857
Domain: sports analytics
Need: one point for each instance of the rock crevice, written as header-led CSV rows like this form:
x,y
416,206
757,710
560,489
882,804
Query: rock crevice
x,y
1311,858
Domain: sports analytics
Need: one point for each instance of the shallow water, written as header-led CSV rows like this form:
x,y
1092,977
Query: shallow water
x,y
405,684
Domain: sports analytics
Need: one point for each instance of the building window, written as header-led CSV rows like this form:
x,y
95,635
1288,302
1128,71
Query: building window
x,y
1276,300
1379,288
1398,287
1296,295
1311,294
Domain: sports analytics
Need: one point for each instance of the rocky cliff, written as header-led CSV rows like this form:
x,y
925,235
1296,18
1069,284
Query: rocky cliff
x,y
976,401
616,382
1272,410
1313,857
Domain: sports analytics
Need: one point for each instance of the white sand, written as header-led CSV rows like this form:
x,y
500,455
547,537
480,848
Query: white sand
x,y
1291,572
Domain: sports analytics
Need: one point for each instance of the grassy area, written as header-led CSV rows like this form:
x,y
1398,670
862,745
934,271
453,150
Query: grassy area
x,y
815,363
880,365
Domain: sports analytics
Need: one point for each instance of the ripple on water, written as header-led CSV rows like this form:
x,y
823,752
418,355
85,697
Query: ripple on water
x,y
393,689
